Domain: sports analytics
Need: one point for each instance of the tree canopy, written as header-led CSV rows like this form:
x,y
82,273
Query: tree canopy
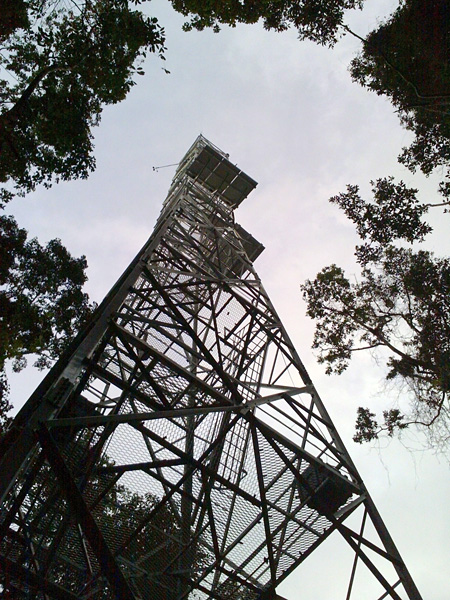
x,y
399,307
42,303
407,59
316,20
124,517
12,16
68,61
64,62
66,65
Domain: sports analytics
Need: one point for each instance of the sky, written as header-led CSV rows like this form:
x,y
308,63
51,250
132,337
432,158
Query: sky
x,y
289,115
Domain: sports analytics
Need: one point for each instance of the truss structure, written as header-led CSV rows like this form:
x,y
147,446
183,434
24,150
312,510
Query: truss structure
x,y
179,448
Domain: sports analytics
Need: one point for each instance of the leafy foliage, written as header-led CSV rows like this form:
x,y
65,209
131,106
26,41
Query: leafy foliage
x,y
367,428
145,533
400,305
12,16
5,405
316,20
402,301
395,212
407,59
66,62
157,542
42,304
67,65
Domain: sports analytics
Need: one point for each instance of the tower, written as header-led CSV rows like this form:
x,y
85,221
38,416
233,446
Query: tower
x,y
178,449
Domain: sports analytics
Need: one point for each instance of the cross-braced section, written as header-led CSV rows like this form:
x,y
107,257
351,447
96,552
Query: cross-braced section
x,y
180,449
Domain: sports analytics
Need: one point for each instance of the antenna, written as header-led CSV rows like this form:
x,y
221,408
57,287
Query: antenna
x,y
156,169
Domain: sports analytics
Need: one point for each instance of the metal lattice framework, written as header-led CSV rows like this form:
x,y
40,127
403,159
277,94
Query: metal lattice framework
x,y
179,449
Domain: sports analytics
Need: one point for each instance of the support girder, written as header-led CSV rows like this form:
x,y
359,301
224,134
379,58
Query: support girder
x,y
179,446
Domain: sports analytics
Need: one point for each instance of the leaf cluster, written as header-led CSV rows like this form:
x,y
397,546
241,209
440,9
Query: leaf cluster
x,y
368,429
394,213
144,533
5,405
42,304
13,16
66,66
407,59
316,20
400,305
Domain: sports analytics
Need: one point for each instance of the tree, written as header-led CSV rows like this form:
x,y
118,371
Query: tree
x,y
399,308
407,60
5,405
67,64
146,544
316,20
42,304
155,546
12,16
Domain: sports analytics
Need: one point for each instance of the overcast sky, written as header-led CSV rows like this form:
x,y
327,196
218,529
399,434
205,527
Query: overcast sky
x,y
289,116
